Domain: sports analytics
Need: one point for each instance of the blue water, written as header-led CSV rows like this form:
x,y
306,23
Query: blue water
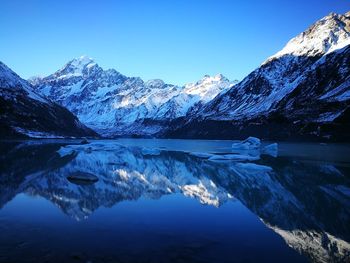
x,y
170,206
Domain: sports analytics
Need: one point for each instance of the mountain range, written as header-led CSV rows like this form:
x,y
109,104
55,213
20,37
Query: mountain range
x,y
113,104
301,92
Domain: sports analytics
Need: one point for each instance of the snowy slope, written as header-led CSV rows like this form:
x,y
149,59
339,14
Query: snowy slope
x,y
326,35
114,104
307,81
23,112
281,73
9,80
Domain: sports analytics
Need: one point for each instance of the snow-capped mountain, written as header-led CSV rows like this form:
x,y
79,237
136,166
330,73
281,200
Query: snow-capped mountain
x,y
114,104
299,91
26,113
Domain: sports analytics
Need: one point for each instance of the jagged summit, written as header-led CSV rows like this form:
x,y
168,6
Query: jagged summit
x,y
155,83
326,35
81,66
217,77
303,86
81,62
113,103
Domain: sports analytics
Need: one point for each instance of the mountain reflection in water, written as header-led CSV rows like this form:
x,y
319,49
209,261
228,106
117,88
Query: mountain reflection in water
x,y
305,201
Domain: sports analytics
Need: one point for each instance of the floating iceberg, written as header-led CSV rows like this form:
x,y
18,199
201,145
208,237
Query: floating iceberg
x,y
65,151
234,157
149,151
201,155
252,146
249,168
250,143
271,149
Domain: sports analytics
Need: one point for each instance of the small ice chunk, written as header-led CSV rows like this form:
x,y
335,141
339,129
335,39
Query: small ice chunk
x,y
65,151
252,167
234,157
149,151
248,144
271,149
201,155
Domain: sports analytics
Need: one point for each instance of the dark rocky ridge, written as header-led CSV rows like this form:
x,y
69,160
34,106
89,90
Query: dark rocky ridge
x,y
23,112
290,97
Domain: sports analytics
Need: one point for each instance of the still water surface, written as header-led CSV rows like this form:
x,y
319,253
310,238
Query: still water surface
x,y
162,201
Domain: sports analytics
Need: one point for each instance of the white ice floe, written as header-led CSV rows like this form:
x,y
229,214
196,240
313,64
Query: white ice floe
x,y
271,149
201,154
234,157
248,144
63,151
252,167
243,151
149,151
252,146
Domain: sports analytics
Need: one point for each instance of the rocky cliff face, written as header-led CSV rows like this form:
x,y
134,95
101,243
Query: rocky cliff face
x,y
24,113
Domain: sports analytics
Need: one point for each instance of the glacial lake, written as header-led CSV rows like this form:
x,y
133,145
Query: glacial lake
x,y
169,201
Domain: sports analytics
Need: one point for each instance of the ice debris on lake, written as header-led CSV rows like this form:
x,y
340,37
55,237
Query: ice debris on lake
x,y
65,151
248,144
242,151
149,151
201,155
271,149
234,157
254,144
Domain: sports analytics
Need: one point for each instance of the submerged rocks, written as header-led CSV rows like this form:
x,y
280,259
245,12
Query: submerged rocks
x,y
84,141
82,178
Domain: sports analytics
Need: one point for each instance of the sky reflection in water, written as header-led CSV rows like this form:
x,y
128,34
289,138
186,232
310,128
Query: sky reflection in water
x,y
157,202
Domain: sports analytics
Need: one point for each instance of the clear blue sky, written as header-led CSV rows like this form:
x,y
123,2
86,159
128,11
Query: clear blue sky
x,y
178,41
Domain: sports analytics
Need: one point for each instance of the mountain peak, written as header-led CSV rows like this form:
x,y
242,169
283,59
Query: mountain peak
x,y
330,33
217,77
155,83
81,66
82,61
